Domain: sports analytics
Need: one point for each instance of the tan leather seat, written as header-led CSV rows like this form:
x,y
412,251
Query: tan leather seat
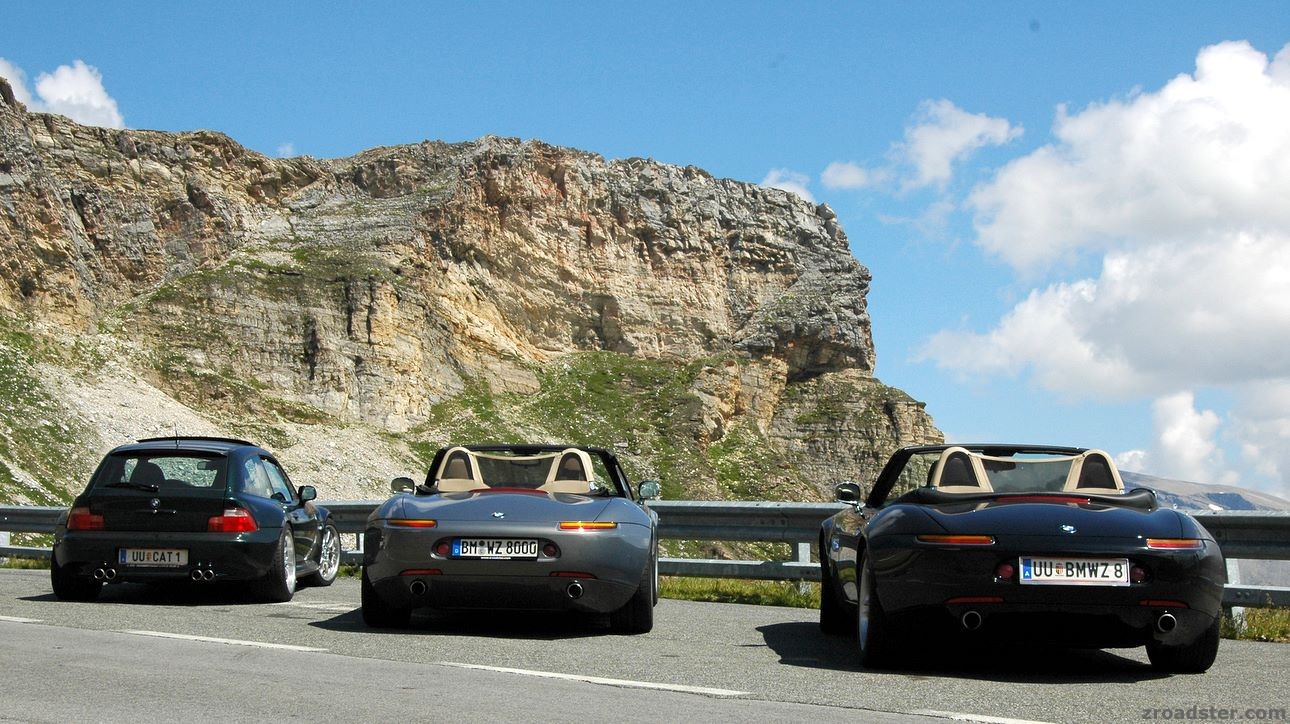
x,y
959,471
457,474
1093,472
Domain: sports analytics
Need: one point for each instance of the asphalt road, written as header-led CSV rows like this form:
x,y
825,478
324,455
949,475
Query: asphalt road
x,y
141,654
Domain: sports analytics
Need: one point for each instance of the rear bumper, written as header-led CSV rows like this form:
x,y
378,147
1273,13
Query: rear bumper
x,y
605,565
940,585
231,557
529,593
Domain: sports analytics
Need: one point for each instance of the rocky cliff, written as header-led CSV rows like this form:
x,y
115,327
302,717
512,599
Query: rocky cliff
x,y
355,313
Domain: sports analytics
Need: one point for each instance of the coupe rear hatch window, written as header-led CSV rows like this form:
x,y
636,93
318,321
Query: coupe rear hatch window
x,y
160,492
184,474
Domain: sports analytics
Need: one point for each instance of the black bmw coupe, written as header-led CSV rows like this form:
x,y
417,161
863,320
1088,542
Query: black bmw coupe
x,y
197,509
1018,542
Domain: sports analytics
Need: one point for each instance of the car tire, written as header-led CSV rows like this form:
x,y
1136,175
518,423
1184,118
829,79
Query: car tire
x,y
872,627
637,615
280,583
70,587
328,558
833,616
376,612
1191,658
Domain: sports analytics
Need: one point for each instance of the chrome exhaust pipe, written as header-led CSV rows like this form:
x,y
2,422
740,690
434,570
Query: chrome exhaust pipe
x,y
196,575
109,574
100,574
1166,622
208,575
574,590
418,588
971,621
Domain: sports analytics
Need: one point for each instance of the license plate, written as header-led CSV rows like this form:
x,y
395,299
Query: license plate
x,y
494,548
1075,571
157,557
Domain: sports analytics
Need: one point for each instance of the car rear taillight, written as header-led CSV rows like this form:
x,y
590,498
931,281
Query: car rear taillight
x,y
83,519
586,525
412,522
1175,544
233,520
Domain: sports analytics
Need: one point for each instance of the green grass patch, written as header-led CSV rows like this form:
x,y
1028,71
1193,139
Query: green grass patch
x,y
27,564
729,590
1259,624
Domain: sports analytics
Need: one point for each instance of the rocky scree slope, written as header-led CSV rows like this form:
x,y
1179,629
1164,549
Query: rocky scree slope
x,y
353,314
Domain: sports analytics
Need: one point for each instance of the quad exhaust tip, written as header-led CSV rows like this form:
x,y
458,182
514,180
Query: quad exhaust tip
x,y
1166,623
202,575
574,590
971,621
418,588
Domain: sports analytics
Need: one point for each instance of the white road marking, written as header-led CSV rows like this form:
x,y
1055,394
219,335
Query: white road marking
x,y
19,619
329,607
982,718
213,640
601,680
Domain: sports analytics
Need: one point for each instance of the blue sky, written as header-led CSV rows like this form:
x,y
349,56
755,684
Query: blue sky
x,y
1075,230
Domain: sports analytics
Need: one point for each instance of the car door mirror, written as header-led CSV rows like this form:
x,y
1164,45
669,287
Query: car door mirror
x,y
650,490
848,492
403,484
307,493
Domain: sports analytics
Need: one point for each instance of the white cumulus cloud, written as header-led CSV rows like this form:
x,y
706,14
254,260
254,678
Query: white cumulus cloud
x,y
286,150
17,80
1186,443
1182,193
790,181
1205,155
75,91
847,175
945,134
938,136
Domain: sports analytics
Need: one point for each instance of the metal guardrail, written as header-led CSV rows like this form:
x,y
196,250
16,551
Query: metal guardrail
x,y
1241,535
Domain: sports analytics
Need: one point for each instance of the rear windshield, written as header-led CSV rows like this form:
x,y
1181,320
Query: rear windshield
x,y
178,473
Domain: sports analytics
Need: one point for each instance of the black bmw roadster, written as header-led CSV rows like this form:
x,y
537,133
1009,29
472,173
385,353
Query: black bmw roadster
x,y
1018,542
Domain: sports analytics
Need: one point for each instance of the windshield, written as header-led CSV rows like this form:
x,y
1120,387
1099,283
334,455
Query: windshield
x,y
1027,476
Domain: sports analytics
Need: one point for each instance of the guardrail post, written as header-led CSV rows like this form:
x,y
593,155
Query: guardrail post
x,y
1235,614
803,556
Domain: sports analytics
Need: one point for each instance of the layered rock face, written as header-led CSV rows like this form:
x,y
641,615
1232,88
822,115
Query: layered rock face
x,y
368,290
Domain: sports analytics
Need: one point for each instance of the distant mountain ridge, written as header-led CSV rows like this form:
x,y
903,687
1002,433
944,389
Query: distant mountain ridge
x,y
1186,496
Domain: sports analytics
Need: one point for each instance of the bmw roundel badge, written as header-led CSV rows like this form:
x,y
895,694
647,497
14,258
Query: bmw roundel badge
x,y
499,514
1068,528
155,503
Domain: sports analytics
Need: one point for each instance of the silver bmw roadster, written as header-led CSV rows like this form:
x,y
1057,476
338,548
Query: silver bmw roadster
x,y
534,527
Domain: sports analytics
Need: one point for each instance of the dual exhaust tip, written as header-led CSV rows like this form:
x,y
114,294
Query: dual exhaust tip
x,y
202,575
972,620
104,574
418,588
